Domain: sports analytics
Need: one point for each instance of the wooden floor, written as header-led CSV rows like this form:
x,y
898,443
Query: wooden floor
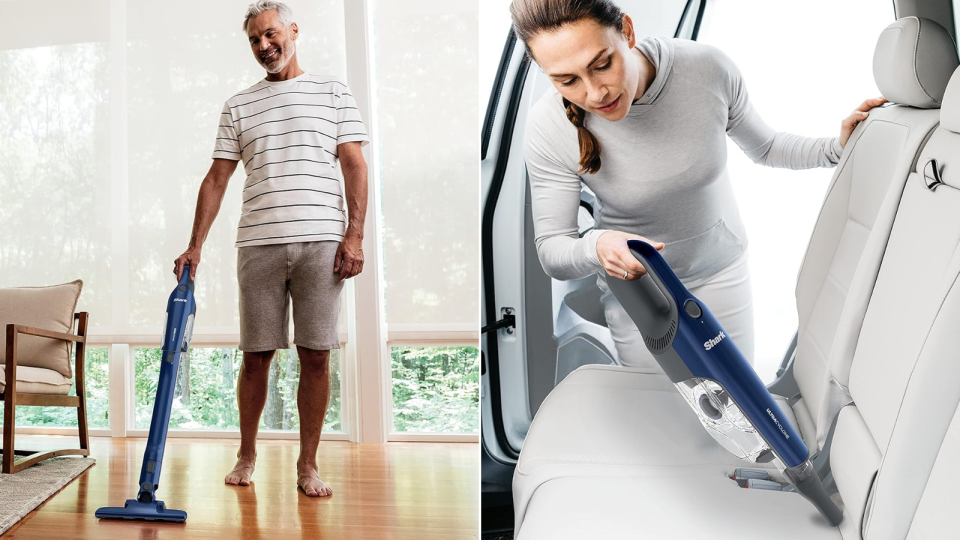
x,y
397,490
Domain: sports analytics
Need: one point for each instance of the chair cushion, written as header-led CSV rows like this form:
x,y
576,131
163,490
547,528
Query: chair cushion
x,y
34,380
50,308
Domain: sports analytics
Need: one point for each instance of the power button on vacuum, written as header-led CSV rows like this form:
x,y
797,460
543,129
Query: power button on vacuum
x,y
692,309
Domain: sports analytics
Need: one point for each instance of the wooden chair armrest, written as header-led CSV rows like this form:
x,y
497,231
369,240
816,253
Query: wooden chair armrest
x,y
80,338
31,331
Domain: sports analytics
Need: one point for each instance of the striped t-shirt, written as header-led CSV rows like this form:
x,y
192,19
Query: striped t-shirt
x,y
286,133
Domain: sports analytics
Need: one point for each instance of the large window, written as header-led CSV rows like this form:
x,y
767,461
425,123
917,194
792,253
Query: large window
x,y
54,163
426,72
436,389
95,378
206,391
798,85
107,124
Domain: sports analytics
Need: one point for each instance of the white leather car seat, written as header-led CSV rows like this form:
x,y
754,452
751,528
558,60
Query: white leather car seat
x,y
632,433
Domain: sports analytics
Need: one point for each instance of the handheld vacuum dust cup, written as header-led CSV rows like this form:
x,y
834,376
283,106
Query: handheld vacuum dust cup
x,y
713,376
175,341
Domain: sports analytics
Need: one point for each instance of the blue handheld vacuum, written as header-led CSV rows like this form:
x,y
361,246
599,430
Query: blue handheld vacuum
x,y
177,330
713,376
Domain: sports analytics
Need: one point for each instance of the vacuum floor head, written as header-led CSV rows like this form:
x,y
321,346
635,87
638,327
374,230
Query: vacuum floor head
x,y
148,511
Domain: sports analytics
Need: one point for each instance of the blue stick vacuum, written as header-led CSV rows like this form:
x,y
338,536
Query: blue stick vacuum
x,y
715,379
177,330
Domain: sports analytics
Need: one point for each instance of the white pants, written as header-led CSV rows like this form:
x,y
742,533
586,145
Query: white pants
x,y
728,295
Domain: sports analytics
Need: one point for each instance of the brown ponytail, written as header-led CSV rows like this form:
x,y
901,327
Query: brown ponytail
x,y
531,17
589,145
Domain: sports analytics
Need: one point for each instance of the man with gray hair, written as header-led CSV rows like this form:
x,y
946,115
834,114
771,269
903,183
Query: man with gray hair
x,y
294,241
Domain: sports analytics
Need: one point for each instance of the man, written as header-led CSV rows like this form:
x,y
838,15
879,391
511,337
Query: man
x,y
290,129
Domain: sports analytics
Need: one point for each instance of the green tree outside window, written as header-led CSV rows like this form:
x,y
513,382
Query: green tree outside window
x,y
436,389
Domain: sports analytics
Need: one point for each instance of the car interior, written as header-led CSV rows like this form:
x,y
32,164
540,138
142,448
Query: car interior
x,y
574,445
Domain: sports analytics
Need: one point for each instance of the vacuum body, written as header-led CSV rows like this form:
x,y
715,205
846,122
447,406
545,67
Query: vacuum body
x,y
175,342
713,376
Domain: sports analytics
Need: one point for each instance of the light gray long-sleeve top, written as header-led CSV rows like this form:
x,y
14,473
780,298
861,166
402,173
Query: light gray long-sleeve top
x,y
663,173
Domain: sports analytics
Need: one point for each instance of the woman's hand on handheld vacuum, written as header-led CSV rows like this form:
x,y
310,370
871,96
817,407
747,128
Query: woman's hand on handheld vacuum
x,y
192,257
616,258
857,116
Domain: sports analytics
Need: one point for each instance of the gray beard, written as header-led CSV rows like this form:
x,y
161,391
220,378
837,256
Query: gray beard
x,y
283,61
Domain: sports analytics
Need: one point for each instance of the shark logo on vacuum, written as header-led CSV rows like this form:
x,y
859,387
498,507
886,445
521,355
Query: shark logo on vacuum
x,y
711,343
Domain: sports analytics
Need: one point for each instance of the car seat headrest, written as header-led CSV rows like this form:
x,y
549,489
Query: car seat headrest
x,y
913,61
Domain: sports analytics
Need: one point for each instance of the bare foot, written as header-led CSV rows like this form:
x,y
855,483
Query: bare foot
x,y
242,471
311,484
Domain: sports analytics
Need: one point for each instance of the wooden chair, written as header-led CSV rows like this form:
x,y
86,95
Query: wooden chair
x,y
12,398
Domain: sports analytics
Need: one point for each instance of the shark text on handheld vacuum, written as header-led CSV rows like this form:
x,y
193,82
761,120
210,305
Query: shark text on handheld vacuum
x,y
711,343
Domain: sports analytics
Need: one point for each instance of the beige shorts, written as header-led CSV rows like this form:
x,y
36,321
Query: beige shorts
x,y
270,276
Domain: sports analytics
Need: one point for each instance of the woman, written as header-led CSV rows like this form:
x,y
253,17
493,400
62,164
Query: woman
x,y
643,124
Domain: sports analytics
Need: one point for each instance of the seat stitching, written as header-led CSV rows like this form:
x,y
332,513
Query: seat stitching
x,y
916,53
839,285
817,347
910,127
864,227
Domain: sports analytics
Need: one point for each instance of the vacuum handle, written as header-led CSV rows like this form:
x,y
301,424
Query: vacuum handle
x,y
185,277
650,303
657,268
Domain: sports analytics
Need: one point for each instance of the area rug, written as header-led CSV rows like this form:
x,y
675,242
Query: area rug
x,y
20,493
